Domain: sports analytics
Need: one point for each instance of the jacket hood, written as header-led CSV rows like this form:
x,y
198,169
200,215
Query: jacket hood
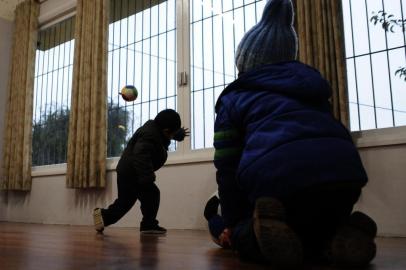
x,y
293,79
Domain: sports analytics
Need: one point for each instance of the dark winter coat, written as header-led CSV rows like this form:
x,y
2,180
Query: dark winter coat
x,y
145,153
275,134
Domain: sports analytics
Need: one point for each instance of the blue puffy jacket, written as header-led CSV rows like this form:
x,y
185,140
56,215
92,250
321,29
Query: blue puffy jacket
x,y
275,134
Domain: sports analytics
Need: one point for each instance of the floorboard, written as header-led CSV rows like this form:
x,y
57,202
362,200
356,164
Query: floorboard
x,y
35,246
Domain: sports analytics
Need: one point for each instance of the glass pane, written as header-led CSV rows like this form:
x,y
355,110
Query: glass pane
x,y
383,98
354,116
364,81
216,28
367,116
377,95
384,117
397,59
376,32
365,92
142,52
395,35
52,91
359,24
349,52
352,82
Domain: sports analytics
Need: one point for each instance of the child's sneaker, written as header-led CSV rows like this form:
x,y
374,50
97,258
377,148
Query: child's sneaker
x,y
155,229
98,220
354,245
278,243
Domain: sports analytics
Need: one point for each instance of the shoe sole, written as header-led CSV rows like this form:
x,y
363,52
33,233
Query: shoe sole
x,y
98,220
278,243
352,247
153,232
354,244
364,223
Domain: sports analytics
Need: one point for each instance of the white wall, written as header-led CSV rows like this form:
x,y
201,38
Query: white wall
x,y
384,198
184,189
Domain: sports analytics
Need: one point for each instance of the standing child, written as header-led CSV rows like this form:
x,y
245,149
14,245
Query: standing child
x,y
288,173
145,153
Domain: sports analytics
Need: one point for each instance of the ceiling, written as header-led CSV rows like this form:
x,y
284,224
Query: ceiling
x,y
7,8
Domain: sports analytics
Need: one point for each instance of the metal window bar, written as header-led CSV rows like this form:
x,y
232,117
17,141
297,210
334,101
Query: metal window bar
x,y
192,75
119,54
212,60
234,41
142,60
134,69
371,69
403,17
389,70
63,150
403,26
149,59
203,96
166,54
157,68
126,51
355,67
378,107
376,52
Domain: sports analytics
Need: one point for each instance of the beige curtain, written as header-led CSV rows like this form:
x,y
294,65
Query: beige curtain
x,y
16,171
320,29
88,120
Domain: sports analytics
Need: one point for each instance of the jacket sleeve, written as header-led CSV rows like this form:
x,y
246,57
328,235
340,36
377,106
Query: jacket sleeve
x,y
142,161
228,144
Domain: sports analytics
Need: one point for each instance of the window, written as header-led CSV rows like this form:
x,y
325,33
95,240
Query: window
x,y
216,28
52,89
141,52
143,45
377,95
149,42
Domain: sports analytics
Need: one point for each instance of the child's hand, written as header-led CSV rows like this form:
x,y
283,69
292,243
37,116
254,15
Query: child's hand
x,y
225,238
181,134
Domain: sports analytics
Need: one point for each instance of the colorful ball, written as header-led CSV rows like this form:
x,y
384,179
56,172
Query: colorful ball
x,y
129,93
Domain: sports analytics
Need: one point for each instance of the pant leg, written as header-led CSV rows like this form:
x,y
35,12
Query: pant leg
x,y
316,213
149,196
127,196
216,226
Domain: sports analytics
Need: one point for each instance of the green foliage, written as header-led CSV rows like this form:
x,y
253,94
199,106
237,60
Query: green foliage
x,y
50,138
50,135
401,72
389,23
118,119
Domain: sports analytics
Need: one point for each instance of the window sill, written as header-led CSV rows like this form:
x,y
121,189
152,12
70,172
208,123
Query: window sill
x,y
49,170
379,137
197,156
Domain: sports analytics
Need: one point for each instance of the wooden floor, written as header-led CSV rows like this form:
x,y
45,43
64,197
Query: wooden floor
x,y
46,247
